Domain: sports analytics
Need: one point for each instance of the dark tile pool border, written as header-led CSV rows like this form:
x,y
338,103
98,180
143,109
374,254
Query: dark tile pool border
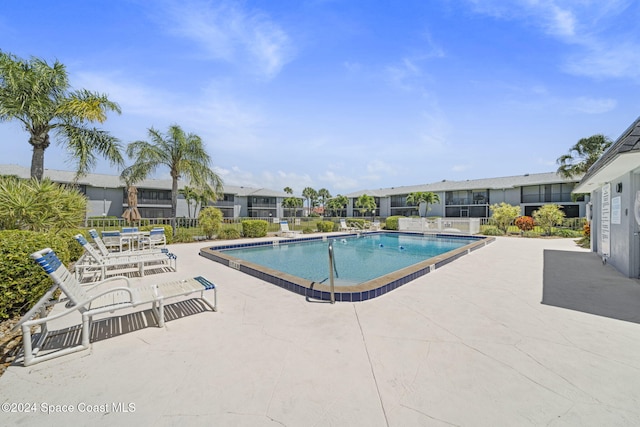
x,y
361,292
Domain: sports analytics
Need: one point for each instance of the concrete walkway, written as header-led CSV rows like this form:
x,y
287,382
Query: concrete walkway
x,y
471,344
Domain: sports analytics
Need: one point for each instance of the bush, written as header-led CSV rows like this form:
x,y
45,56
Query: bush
x,y
525,223
75,249
503,214
391,223
254,228
307,230
547,216
39,205
325,226
530,233
183,235
228,233
492,230
210,219
22,281
565,232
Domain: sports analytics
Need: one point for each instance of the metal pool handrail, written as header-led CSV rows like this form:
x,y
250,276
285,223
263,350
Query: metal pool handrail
x,y
331,266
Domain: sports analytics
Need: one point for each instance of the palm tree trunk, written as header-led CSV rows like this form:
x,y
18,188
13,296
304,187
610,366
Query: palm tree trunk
x,y
39,143
174,202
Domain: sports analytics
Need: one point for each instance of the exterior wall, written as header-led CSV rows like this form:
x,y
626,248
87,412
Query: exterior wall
x,y
624,251
104,201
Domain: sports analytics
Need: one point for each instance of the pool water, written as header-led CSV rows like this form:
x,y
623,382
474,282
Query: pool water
x,y
357,259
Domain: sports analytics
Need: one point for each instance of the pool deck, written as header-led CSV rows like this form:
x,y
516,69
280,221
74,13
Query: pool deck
x,y
521,332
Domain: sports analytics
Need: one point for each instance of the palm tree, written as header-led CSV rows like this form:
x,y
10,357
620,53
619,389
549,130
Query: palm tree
x,y
288,190
292,203
338,204
426,197
190,195
324,195
582,155
184,155
311,195
366,204
39,96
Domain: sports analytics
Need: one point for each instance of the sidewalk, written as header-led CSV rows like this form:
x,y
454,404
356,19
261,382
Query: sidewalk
x,y
483,341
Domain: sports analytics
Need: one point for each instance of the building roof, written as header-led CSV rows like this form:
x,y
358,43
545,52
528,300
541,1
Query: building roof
x,y
471,184
114,181
623,156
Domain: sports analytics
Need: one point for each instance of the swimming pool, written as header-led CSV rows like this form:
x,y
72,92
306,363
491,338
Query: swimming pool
x,y
366,265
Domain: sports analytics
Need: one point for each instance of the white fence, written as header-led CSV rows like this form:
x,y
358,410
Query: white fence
x,y
440,225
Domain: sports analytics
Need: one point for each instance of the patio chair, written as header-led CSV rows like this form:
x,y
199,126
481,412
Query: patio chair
x,y
345,227
99,267
285,231
93,300
375,226
155,238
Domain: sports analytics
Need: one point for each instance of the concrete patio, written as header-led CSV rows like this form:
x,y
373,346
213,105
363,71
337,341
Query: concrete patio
x,y
521,332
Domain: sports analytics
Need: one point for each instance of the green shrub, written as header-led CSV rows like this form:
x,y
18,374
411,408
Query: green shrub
x,y
307,230
503,214
22,281
492,230
391,223
254,228
228,233
565,232
547,216
530,233
39,205
210,219
183,235
75,249
325,226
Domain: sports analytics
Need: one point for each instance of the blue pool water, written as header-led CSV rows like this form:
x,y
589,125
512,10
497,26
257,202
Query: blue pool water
x,y
357,259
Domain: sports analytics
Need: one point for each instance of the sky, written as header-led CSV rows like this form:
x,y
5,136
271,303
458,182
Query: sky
x,y
346,95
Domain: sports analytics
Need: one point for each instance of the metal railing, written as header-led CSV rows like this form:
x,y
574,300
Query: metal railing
x,y
332,266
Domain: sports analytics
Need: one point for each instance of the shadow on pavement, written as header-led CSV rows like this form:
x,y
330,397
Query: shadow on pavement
x,y
579,281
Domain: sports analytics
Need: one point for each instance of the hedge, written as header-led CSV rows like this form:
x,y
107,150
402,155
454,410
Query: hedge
x,y
254,228
391,222
325,226
22,281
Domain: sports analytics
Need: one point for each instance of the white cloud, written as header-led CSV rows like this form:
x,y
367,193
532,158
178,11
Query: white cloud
x,y
602,47
460,168
244,37
592,105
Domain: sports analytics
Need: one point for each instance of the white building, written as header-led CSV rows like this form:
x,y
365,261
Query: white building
x,y
614,184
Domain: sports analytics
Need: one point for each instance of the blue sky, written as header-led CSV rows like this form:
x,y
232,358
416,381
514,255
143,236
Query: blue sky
x,y
345,95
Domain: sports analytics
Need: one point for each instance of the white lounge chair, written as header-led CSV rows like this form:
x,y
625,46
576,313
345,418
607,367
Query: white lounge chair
x,y
93,300
104,251
285,231
112,239
99,267
345,227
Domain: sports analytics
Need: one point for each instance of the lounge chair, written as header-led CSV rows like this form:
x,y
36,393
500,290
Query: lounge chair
x,y
104,251
99,267
112,239
345,227
285,231
93,300
375,226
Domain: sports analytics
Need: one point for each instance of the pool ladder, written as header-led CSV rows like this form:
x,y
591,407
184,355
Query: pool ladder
x,y
332,265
